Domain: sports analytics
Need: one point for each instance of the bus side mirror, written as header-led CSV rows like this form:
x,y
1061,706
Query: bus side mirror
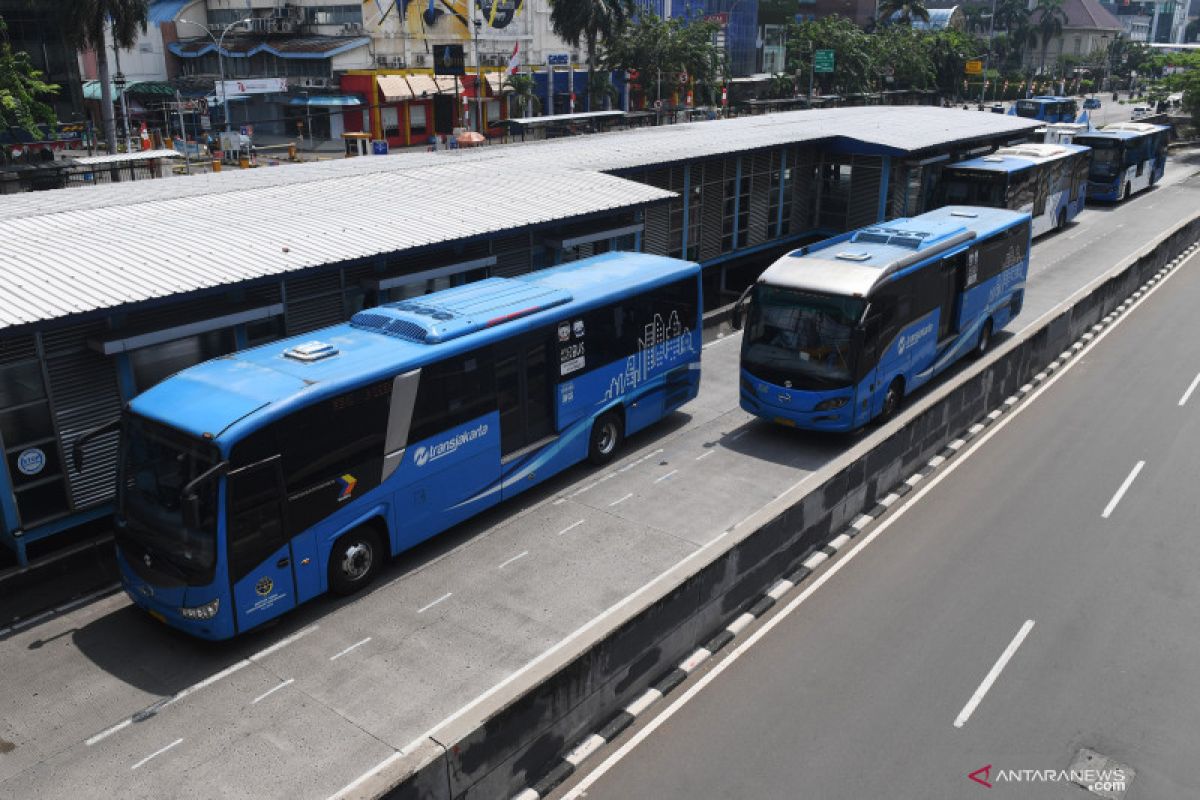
x,y
189,498
737,315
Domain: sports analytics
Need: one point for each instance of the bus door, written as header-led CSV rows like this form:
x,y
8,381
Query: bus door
x,y
866,369
260,553
523,385
950,280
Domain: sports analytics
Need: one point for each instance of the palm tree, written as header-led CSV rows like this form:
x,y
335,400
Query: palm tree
x,y
84,23
905,11
782,85
1049,22
589,21
1011,14
523,91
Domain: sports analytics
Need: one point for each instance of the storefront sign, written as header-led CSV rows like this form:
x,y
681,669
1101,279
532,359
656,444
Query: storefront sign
x,y
252,86
558,60
448,59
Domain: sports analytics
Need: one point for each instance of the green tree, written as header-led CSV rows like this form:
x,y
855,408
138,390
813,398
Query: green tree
x,y
904,11
589,21
21,89
977,17
85,22
854,56
655,51
782,85
1011,14
601,88
523,95
1048,18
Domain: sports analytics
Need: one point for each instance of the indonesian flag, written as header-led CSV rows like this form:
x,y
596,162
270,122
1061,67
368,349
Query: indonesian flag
x,y
514,61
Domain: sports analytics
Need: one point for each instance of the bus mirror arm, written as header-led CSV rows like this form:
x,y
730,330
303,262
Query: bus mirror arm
x,y
739,309
191,501
87,436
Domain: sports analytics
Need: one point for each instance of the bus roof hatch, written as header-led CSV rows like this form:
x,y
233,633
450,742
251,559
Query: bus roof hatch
x,y
452,313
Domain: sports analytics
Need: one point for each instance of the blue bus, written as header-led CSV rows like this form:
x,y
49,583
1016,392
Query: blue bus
x,y
1047,180
1127,157
1047,108
256,481
839,332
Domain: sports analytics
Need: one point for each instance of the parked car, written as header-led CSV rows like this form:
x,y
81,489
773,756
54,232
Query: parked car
x,y
997,108
1091,102
1140,112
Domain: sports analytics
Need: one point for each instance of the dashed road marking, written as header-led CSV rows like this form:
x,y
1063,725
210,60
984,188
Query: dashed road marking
x,y
354,646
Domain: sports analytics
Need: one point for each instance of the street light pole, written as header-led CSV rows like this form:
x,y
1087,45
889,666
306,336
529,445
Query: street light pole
x,y
477,24
220,43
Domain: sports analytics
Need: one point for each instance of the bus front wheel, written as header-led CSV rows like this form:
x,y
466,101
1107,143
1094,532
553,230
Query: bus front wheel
x,y
606,437
1128,191
354,560
892,400
1062,219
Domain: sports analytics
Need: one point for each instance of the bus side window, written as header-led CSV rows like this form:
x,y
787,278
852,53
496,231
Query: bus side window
x,y
255,521
453,392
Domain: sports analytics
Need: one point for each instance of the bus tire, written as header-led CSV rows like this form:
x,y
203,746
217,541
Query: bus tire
x,y
605,441
1062,218
985,341
1128,192
354,560
893,398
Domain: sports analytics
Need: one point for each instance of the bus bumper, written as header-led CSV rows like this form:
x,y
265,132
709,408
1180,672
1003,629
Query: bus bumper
x,y
794,409
165,605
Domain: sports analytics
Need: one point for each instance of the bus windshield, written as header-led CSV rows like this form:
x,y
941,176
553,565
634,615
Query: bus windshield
x,y
801,339
1106,159
156,464
965,187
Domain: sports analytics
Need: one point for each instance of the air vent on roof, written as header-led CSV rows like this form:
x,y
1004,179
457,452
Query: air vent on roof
x,y
311,351
846,256
993,159
873,237
911,242
969,214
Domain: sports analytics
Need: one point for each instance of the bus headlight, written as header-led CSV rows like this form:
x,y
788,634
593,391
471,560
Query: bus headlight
x,y
836,402
206,611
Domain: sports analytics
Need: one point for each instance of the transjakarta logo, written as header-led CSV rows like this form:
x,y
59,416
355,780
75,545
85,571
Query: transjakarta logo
x,y
433,452
907,342
1115,779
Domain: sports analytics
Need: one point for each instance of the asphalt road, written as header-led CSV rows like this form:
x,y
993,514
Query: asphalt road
x,y
101,701
864,690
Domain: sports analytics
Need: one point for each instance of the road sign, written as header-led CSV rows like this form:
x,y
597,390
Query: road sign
x,y
974,67
823,61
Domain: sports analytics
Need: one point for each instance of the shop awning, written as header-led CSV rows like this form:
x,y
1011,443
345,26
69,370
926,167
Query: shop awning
x,y
326,100
449,84
394,88
422,85
495,81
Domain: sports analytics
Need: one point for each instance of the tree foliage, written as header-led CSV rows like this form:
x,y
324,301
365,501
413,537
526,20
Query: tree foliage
x,y
652,48
22,89
589,21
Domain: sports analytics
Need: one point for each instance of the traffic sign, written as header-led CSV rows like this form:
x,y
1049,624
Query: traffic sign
x,y
974,67
823,61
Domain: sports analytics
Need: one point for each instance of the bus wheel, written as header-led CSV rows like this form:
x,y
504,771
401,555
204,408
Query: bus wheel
x,y
892,400
1062,219
606,439
985,340
1128,191
354,560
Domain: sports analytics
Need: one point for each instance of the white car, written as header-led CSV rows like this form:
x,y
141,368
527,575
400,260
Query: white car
x,y
1141,111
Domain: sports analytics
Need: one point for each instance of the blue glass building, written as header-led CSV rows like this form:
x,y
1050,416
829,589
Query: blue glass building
x,y
741,25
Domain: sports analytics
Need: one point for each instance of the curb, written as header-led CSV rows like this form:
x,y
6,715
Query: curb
x,y
574,758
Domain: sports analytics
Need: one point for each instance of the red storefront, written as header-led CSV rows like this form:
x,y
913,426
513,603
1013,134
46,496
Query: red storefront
x,y
408,108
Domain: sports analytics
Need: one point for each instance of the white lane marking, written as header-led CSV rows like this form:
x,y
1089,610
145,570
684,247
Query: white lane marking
x,y
738,435
519,555
560,501
1190,389
571,527
580,789
633,464
620,500
104,734
1116,498
270,692
993,674
348,649
662,478
425,608
705,454
282,643
156,753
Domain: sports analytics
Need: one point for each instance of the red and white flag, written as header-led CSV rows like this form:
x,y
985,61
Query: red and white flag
x,y
514,61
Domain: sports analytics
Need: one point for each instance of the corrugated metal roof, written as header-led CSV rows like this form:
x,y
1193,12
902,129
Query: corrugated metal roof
x,y
53,265
133,241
